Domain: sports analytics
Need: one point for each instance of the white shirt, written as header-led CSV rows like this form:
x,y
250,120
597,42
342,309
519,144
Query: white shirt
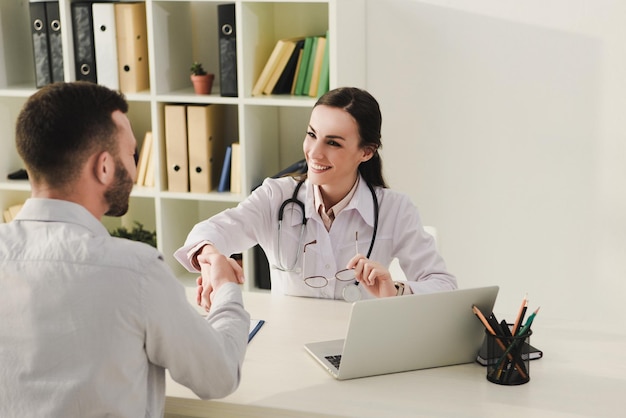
x,y
255,220
328,215
90,322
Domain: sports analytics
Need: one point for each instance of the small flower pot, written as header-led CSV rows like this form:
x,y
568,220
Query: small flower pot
x,y
202,84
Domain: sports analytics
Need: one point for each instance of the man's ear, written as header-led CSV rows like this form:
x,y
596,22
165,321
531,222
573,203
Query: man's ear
x,y
104,168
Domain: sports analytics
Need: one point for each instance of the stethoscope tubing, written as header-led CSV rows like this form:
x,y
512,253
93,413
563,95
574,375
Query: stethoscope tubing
x,y
294,200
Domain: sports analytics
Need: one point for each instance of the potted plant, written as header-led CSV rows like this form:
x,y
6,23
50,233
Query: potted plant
x,y
136,233
202,81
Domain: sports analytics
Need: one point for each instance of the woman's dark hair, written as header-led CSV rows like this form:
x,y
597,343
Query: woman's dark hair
x,y
62,124
365,110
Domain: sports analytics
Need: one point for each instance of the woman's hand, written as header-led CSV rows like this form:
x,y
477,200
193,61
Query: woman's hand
x,y
374,276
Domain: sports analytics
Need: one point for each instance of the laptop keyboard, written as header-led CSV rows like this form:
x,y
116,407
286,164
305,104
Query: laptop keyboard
x,y
334,360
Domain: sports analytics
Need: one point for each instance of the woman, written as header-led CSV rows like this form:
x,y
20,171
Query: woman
x,y
341,226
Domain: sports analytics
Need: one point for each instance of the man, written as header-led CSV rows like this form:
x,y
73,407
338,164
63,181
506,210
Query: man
x,y
89,323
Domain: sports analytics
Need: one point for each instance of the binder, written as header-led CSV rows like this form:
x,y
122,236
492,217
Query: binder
x,y
105,44
132,46
41,54
84,53
176,148
206,146
55,43
228,49
224,184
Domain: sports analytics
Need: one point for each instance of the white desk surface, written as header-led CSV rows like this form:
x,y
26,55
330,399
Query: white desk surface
x,y
582,374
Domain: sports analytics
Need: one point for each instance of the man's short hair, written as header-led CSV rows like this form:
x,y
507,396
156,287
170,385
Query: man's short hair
x,y
62,124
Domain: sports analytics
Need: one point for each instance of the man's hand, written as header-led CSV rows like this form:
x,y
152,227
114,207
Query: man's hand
x,y
216,269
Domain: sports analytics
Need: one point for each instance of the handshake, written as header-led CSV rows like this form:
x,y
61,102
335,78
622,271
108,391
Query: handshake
x,y
216,270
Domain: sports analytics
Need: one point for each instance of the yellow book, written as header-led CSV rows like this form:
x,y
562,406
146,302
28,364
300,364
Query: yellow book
x,y
142,164
149,180
235,168
317,66
270,65
285,53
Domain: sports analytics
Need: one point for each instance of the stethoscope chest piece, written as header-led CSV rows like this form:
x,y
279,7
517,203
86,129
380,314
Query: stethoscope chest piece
x,y
351,293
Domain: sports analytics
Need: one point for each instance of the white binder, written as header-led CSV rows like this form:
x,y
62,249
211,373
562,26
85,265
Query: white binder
x,y
105,43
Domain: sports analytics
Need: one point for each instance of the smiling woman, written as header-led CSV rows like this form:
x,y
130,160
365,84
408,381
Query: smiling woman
x,y
340,207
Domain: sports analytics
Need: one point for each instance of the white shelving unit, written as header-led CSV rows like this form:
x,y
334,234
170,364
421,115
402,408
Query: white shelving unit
x,y
270,129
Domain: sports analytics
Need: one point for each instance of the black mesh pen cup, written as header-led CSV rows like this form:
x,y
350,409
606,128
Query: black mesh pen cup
x,y
508,360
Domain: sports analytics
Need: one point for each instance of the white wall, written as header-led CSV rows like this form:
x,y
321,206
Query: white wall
x,y
505,121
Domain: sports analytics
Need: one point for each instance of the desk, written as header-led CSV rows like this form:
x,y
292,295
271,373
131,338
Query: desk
x,y
582,374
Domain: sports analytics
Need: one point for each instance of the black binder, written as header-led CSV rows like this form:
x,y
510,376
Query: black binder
x,y
228,49
84,51
55,42
39,30
283,85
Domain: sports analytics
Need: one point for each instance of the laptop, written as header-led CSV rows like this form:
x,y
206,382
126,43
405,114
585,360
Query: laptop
x,y
397,334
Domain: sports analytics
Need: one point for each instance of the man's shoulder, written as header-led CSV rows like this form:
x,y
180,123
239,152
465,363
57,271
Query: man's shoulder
x,y
129,253
134,248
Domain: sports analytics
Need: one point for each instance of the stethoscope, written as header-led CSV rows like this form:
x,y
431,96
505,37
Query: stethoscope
x,y
351,293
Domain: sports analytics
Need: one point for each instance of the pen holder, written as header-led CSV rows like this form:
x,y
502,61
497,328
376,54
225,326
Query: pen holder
x,y
508,359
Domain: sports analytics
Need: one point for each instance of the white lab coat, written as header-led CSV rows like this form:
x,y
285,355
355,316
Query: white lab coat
x,y
255,220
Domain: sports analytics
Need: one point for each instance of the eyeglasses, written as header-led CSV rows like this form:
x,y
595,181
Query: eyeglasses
x,y
317,282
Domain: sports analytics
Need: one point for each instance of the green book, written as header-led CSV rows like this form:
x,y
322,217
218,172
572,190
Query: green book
x,y
304,64
307,66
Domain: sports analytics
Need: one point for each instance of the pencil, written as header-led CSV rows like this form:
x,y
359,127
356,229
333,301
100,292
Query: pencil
x,y
517,342
482,318
528,323
507,353
520,315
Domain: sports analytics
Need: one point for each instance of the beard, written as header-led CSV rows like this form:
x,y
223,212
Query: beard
x,y
118,194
